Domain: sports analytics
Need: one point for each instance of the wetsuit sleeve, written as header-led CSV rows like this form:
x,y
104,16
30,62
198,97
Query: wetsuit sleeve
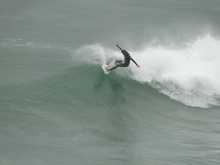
x,y
134,61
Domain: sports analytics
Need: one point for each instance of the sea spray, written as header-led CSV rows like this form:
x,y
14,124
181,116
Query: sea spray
x,y
189,74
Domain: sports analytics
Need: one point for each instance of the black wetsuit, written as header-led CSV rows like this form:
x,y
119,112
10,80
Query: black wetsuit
x,y
127,59
126,62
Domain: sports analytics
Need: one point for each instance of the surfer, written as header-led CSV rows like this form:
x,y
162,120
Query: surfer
x,y
126,62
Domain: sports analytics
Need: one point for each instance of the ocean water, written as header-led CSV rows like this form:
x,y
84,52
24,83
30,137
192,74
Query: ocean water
x,y
58,107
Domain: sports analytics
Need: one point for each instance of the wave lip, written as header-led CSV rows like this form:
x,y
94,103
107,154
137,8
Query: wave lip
x,y
188,75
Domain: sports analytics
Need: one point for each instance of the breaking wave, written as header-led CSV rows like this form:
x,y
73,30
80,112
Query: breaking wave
x,y
189,74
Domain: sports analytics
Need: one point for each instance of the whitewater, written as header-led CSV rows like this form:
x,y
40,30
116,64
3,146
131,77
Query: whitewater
x,y
188,75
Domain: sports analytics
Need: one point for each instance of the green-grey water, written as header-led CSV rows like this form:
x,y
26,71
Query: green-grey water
x,y
58,107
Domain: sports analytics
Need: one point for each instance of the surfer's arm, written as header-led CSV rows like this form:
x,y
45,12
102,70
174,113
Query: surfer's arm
x,y
118,47
134,62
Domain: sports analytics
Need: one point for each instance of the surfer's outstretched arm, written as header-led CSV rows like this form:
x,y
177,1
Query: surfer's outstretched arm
x,y
134,62
118,47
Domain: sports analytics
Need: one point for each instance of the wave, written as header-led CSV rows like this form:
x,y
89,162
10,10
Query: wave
x,y
21,43
188,74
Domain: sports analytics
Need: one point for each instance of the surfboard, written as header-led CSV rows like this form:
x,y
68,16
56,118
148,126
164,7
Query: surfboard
x,y
104,68
107,67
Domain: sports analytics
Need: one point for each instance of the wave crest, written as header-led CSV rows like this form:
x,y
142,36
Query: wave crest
x,y
189,75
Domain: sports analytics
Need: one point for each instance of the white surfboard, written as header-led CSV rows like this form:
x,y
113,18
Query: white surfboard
x,y
104,68
107,67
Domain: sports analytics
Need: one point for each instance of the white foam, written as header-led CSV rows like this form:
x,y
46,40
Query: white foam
x,y
189,75
97,54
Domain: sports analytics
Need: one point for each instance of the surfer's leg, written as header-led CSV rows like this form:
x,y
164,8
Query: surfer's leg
x,y
113,68
119,65
118,62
